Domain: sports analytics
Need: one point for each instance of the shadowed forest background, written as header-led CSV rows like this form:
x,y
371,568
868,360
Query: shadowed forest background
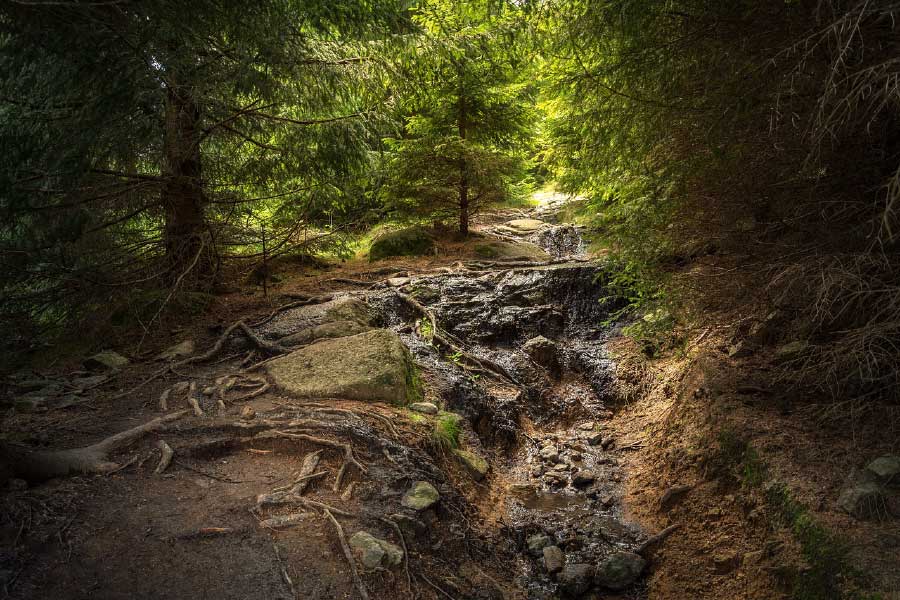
x,y
735,164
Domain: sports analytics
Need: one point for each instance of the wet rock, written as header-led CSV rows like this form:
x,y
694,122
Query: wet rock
x,y
179,350
620,570
374,552
862,500
575,579
554,559
475,464
426,408
583,478
537,542
371,367
885,469
106,360
672,495
594,439
420,496
543,352
409,525
248,413
549,454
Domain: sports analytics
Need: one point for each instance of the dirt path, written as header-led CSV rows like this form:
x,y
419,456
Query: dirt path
x,y
536,412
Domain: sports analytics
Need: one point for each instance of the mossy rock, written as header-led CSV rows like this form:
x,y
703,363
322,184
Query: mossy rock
x,y
475,464
412,241
334,329
373,366
511,251
343,316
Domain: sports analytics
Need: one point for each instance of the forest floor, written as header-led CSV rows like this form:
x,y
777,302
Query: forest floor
x,y
682,445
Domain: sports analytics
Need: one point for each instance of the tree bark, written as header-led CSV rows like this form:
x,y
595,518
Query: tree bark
x,y
463,174
182,194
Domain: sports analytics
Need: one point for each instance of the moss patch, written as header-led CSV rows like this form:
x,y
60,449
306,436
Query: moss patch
x,y
412,241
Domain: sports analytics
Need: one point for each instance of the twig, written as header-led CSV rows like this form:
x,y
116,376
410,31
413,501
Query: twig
x,y
399,533
361,588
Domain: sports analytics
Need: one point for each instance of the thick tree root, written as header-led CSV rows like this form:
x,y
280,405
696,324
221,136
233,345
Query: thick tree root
x,y
302,301
166,454
42,465
357,580
445,339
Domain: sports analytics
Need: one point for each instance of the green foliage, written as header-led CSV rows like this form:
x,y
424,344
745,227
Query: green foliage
x,y
446,431
468,116
412,241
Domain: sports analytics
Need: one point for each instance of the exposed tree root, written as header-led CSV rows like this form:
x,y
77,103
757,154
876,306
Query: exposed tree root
x,y
166,454
399,533
445,339
36,466
292,493
653,540
357,581
302,301
282,521
346,448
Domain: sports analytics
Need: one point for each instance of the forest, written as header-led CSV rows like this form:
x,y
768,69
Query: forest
x,y
474,299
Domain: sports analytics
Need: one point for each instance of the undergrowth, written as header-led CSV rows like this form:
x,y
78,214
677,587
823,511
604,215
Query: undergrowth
x,y
826,573
446,431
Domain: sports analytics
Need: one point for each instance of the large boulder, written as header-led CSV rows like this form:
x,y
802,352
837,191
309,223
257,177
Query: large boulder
x,y
413,241
543,352
373,366
341,316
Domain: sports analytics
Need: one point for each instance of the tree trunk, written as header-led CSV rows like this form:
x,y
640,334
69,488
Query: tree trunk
x,y
463,174
182,194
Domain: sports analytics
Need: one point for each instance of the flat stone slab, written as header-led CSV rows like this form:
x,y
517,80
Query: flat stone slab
x,y
296,320
525,225
373,366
